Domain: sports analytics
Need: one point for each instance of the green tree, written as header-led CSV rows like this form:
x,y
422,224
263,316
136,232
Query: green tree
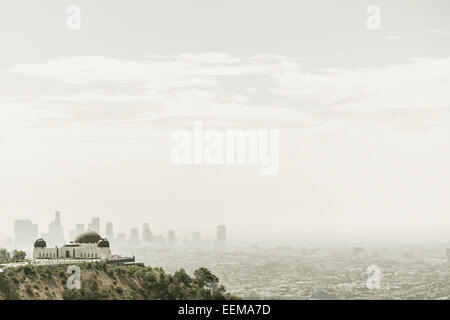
x,y
205,279
208,285
182,277
5,256
18,256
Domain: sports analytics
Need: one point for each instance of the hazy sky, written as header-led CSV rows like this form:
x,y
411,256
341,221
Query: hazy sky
x,y
86,115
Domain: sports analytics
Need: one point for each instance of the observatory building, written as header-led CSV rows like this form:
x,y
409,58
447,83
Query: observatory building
x,y
88,245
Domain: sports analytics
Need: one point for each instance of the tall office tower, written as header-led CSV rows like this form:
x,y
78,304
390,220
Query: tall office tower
x,y
146,233
134,237
25,232
196,238
171,238
56,231
221,236
109,231
94,225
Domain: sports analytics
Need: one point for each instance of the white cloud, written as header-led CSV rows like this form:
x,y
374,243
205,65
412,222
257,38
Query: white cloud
x,y
259,90
420,83
212,85
156,72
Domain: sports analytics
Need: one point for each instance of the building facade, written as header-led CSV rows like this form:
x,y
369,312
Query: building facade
x,y
87,245
221,237
25,232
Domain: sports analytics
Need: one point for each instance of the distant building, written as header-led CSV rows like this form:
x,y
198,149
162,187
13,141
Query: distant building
x,y
171,238
55,230
109,230
95,225
25,232
134,237
221,237
146,233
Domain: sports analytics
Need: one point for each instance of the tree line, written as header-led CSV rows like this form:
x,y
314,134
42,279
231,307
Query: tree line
x,y
14,256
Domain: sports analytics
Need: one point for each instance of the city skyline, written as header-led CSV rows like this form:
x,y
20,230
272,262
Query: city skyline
x,y
256,236
25,231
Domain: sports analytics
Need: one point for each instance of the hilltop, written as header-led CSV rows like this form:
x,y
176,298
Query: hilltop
x,y
100,281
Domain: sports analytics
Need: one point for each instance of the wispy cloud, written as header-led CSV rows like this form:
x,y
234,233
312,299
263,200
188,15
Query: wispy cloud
x,y
420,83
258,90
156,72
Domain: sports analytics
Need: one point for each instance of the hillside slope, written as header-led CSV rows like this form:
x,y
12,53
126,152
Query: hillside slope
x,y
102,282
